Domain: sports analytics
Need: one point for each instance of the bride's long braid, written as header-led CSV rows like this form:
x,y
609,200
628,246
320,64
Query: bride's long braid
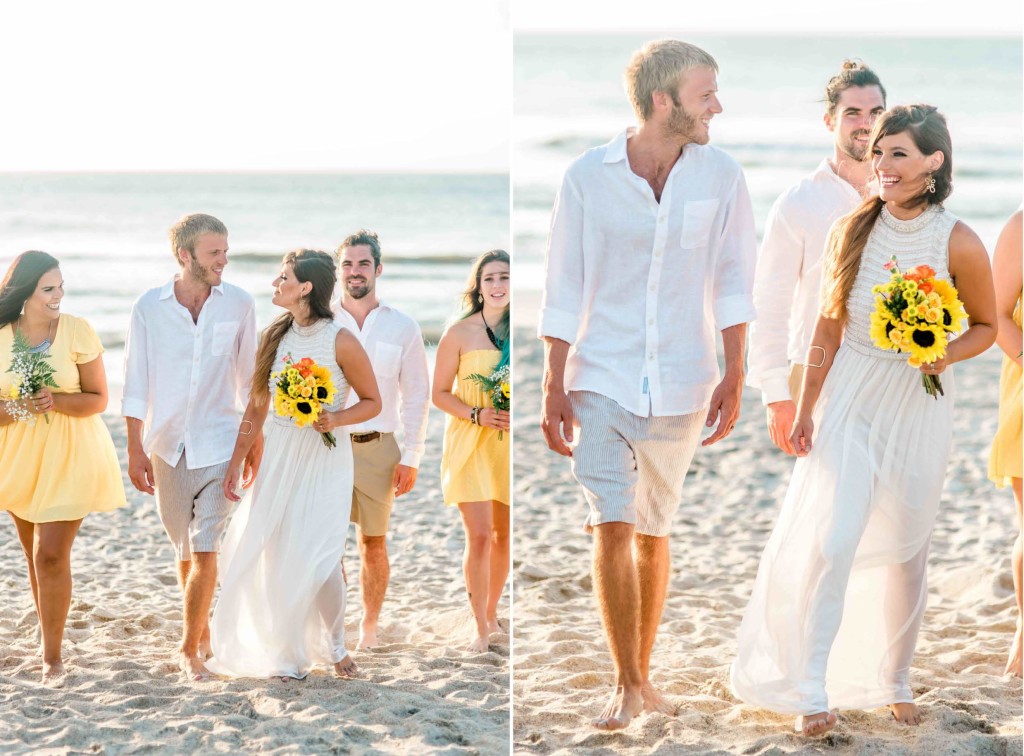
x,y
309,265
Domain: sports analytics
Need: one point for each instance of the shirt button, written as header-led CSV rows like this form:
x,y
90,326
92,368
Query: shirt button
x,y
658,253
650,321
653,287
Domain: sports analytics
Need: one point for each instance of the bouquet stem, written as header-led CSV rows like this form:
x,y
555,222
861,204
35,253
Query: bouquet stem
x,y
329,440
932,385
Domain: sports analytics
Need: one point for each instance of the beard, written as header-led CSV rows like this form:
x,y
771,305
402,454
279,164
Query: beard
x,y
204,274
358,290
682,124
852,149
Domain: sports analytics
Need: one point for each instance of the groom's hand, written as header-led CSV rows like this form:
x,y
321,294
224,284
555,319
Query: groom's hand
x,y
725,405
780,424
404,480
557,421
140,471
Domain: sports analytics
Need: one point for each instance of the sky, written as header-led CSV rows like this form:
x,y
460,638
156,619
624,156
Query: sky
x,y
882,17
314,85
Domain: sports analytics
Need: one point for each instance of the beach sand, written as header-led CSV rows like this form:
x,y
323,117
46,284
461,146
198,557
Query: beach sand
x,y
563,672
421,692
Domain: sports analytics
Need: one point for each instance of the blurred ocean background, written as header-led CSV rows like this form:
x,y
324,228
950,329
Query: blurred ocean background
x,y
569,96
109,231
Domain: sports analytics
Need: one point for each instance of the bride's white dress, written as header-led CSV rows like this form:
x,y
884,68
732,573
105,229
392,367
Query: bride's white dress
x,y
282,599
841,587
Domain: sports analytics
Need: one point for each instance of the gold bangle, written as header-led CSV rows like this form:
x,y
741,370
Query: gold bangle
x,y
245,432
824,354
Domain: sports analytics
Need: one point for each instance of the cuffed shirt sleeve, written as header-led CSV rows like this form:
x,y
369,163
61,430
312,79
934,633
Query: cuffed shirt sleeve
x,y
135,400
779,268
563,279
737,255
414,388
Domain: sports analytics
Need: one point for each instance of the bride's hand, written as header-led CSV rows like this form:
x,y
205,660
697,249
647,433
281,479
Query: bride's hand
x,y
327,422
934,368
231,483
800,438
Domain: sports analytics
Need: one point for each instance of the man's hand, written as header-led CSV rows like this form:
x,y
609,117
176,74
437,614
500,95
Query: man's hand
x,y
556,422
780,424
800,438
140,471
230,484
725,405
251,465
405,479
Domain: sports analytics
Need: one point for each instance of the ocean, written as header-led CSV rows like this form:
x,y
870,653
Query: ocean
x,y
110,233
569,96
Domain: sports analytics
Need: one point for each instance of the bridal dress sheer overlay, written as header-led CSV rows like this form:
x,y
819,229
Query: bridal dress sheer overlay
x,y
841,588
282,600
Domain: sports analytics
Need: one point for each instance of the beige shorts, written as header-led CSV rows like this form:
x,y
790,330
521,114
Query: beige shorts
x,y
373,489
192,505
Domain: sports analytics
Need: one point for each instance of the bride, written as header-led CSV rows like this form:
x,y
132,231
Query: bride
x,y
840,590
282,599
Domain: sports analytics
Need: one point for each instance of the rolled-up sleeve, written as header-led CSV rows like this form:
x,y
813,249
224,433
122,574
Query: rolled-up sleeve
x,y
135,400
778,271
563,280
737,256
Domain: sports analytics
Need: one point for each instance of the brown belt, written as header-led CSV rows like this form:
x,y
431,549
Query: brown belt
x,y
362,438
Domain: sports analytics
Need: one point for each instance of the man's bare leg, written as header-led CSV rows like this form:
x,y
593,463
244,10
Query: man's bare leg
x,y
618,597
199,588
373,583
476,565
652,566
51,558
205,648
500,545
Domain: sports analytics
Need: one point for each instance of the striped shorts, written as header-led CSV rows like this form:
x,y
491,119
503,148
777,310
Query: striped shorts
x,y
631,468
192,505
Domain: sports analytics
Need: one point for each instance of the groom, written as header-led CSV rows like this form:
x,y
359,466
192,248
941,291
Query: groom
x,y
651,251
189,358
788,278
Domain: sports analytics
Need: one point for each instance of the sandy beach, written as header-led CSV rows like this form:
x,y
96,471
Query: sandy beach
x,y
562,671
420,691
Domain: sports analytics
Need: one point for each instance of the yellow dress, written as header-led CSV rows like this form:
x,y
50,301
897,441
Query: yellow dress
x,y
67,468
1005,462
475,462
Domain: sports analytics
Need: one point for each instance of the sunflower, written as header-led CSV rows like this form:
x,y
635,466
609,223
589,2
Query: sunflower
x,y
881,325
926,343
305,412
953,316
946,291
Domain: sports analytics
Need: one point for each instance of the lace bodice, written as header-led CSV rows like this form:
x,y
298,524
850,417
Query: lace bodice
x,y
923,240
315,341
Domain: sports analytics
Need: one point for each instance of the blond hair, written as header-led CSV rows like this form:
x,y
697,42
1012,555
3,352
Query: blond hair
x,y
186,232
659,67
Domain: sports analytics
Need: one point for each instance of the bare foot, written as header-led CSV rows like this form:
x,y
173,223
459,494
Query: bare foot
x,y
906,713
493,626
54,675
205,649
347,668
620,709
654,701
1014,662
367,637
813,725
193,667
479,645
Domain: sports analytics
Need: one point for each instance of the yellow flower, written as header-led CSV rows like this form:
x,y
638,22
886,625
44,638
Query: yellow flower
x,y
294,376
909,289
933,315
946,291
898,336
506,390
306,392
910,314
305,413
881,325
926,343
293,391
953,317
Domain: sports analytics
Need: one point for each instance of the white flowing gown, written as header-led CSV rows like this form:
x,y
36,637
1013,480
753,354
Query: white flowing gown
x,y
841,587
282,600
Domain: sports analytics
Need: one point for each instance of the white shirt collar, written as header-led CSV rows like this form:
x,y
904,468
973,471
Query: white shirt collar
x,y
168,288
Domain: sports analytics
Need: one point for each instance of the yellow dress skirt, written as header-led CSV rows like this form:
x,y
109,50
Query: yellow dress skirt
x,y
67,468
475,462
1006,462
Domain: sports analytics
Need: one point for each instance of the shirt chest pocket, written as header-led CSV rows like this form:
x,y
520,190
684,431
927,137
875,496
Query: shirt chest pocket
x,y
387,359
698,218
224,338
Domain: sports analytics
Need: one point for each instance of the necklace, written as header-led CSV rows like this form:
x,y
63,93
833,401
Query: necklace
x,y
45,343
498,343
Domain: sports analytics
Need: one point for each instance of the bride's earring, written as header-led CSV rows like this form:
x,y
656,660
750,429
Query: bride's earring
x,y
929,184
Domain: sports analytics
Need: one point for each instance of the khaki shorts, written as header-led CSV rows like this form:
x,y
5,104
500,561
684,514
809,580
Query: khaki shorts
x,y
373,489
192,505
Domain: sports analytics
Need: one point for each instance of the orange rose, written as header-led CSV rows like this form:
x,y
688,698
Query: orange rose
x,y
925,286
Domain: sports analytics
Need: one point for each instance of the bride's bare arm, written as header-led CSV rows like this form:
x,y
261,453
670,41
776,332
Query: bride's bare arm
x,y
828,334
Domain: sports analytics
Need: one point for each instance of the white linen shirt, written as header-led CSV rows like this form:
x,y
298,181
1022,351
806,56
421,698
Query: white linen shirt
x,y
395,345
186,380
787,284
638,287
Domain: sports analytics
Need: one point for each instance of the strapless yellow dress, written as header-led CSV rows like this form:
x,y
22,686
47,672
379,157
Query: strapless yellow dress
x,y
475,462
1005,462
67,468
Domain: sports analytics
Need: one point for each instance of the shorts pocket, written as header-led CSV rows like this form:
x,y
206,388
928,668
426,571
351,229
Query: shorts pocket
x,y
224,337
387,359
698,218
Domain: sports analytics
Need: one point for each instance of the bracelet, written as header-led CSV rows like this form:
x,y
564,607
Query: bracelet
x,y
823,356
245,432
474,415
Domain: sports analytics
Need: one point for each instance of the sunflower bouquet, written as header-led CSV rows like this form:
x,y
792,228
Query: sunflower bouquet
x,y
31,372
302,390
498,387
916,313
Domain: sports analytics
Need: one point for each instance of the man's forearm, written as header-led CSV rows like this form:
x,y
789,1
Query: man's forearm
x,y
734,339
135,427
556,352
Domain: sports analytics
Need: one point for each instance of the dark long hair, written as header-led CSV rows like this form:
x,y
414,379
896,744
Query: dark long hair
x,y
927,127
308,265
472,304
21,281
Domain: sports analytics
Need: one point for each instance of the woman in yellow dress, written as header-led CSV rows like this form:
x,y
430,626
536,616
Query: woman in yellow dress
x,y
1005,463
59,462
475,461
